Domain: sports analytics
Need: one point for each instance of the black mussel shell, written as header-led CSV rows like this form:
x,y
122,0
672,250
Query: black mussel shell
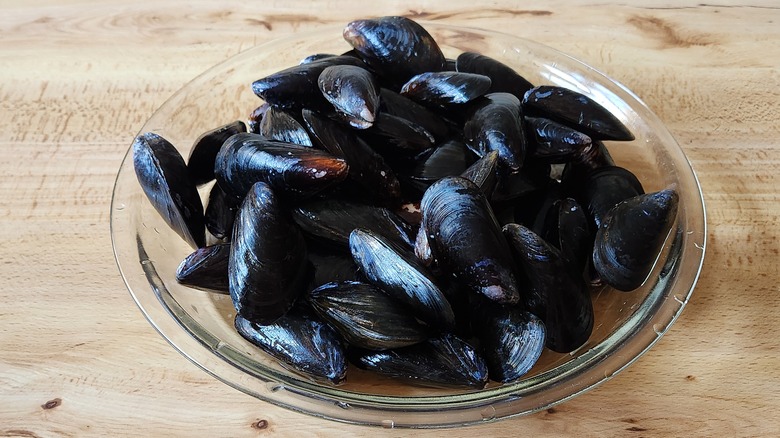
x,y
395,47
268,264
606,187
329,266
495,124
591,158
466,239
296,87
256,117
397,105
293,171
221,212
576,173
316,57
445,88
302,342
397,132
278,124
163,176
398,273
448,159
503,78
367,317
631,236
567,228
595,156
204,151
446,361
366,167
576,111
484,173
559,298
332,221
554,143
511,339
353,93
206,268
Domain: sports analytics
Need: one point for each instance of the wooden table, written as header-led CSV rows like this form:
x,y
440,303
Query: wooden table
x,y
77,81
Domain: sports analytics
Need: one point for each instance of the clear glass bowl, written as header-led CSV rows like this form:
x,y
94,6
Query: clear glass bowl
x,y
200,324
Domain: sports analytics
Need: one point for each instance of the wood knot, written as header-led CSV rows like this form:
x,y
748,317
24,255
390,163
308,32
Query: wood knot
x,y
51,404
668,34
260,424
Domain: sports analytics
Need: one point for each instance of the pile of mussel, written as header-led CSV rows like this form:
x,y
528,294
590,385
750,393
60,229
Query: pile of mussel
x,y
436,220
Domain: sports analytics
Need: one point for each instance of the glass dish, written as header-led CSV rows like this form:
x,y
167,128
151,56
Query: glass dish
x,y
200,324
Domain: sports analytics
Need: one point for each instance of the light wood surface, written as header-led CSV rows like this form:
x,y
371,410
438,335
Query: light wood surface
x,y
78,79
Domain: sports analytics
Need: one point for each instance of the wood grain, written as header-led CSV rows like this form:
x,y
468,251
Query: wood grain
x,y
78,80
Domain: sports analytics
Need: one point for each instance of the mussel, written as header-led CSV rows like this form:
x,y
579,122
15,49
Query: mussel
x,y
221,213
483,173
400,275
268,265
315,57
367,317
353,92
631,236
446,361
466,239
296,87
206,268
495,125
552,142
302,342
200,164
502,77
576,111
163,176
566,227
605,187
442,89
559,298
333,220
278,124
292,170
511,339
395,47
